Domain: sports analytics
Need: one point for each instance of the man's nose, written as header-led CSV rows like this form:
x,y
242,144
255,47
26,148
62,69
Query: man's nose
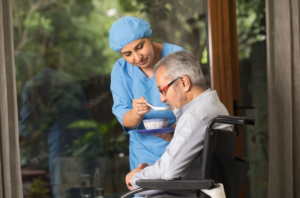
x,y
162,98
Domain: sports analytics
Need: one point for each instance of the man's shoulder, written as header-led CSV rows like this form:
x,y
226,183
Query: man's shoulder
x,y
206,107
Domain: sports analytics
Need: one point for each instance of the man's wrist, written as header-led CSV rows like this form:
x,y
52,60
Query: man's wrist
x,y
134,178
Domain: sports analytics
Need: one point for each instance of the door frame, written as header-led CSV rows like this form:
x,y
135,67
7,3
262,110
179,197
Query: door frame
x,y
223,55
223,59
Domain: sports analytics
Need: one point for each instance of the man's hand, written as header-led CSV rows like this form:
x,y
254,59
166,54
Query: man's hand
x,y
129,176
143,165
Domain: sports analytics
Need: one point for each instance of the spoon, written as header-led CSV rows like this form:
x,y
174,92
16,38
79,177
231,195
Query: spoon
x,y
158,108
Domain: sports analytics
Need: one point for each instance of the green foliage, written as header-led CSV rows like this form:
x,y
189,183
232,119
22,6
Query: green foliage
x,y
178,22
35,155
99,140
76,29
38,189
251,24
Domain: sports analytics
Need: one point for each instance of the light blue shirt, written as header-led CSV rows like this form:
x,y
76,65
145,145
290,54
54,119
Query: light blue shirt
x,y
182,158
129,82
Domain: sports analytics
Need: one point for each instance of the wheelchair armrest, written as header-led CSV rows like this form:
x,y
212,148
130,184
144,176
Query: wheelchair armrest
x,y
234,120
161,184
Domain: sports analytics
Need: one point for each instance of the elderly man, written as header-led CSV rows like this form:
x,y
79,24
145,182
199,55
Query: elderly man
x,y
182,87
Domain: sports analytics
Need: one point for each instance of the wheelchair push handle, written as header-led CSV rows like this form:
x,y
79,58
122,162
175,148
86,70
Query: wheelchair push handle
x,y
234,120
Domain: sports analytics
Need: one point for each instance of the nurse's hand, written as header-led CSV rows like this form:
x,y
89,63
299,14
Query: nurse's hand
x,y
166,137
139,106
173,125
133,118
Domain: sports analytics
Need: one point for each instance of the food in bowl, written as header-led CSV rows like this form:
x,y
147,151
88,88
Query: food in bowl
x,y
156,123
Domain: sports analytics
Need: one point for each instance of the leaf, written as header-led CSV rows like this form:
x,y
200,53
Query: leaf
x,y
81,150
89,136
83,124
121,137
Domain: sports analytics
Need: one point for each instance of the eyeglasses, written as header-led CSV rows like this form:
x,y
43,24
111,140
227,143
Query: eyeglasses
x,y
163,91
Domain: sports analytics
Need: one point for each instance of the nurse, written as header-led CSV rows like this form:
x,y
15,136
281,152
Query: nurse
x,y
133,84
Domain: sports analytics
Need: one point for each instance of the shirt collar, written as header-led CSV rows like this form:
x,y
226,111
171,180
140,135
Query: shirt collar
x,y
179,113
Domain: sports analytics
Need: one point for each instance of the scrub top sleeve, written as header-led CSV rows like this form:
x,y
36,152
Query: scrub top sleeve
x,y
122,100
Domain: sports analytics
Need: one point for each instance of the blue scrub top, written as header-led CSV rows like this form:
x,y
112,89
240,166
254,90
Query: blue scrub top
x,y
129,82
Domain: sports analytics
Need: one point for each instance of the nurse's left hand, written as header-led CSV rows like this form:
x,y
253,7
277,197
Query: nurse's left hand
x,y
173,125
166,137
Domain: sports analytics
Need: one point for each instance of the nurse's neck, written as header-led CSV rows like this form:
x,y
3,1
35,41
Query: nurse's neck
x,y
148,71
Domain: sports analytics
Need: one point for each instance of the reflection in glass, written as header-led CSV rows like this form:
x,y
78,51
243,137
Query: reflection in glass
x,y
63,64
251,29
86,189
182,23
98,184
51,101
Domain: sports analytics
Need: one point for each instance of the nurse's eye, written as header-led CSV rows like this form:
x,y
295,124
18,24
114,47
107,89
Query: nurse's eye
x,y
127,54
140,47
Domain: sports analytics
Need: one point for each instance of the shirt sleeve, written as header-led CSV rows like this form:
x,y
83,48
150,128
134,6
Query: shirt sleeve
x,y
122,100
187,142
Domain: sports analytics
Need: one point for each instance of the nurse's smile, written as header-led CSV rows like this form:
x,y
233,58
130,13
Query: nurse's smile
x,y
143,62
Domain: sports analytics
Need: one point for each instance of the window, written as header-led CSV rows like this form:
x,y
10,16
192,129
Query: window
x,y
63,62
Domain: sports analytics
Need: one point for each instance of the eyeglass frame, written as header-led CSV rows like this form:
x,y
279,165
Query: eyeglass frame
x,y
167,86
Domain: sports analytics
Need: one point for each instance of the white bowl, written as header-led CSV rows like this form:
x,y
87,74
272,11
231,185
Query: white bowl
x,y
156,123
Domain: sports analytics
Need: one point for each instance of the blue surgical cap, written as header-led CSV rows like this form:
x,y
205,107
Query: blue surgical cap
x,y
126,30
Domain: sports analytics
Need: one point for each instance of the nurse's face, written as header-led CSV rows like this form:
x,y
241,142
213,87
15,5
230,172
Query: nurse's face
x,y
139,52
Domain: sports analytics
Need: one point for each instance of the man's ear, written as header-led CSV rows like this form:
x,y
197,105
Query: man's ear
x,y
185,83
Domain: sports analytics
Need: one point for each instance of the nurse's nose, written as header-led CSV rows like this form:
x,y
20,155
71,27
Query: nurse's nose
x,y
137,57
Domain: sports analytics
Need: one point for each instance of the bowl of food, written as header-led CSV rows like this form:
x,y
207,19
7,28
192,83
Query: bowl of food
x,y
157,123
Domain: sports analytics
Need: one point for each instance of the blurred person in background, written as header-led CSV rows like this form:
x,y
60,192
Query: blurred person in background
x,y
51,101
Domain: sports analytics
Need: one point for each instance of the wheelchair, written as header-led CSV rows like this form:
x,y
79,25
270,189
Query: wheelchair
x,y
218,165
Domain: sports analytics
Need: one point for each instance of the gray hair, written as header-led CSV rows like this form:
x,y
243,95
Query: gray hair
x,y
182,63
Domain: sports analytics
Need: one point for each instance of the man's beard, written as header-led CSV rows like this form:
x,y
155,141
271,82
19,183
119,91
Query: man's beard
x,y
175,110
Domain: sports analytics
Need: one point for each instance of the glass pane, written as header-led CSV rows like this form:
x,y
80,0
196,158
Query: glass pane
x,y
69,138
251,29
